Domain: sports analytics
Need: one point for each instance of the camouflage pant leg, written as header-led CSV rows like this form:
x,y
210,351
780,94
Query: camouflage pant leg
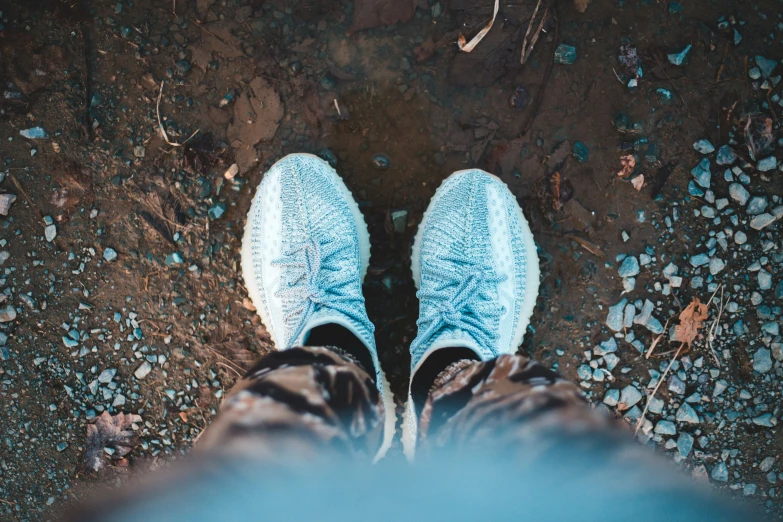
x,y
298,402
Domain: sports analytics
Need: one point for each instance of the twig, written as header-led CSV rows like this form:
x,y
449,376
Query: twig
x,y
658,385
160,124
547,74
523,58
617,76
657,339
527,51
722,63
714,327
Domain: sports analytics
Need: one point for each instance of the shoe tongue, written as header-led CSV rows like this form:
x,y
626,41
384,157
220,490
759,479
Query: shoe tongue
x,y
330,316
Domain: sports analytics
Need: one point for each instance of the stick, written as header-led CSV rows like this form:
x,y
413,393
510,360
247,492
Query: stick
x,y
523,58
722,63
547,74
538,33
714,327
660,380
160,124
655,342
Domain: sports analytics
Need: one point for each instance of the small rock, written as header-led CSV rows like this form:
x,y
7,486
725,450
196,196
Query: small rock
x,y
109,254
665,427
107,375
716,265
767,164
766,420
762,361
565,54
766,66
761,221
686,413
612,397
143,370
740,237
765,280
139,151
629,396
756,205
699,260
676,385
629,267
34,133
738,193
684,444
614,319
232,171
704,146
720,472
50,232
767,464
581,152
720,387
7,314
4,256
679,58
217,210
701,173
726,156
6,200
399,220
381,161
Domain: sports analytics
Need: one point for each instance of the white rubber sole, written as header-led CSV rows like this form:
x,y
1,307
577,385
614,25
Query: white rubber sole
x,y
532,281
249,275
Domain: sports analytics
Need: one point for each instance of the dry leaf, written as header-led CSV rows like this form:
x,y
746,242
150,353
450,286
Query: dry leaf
x,y
109,431
627,165
638,182
555,184
691,320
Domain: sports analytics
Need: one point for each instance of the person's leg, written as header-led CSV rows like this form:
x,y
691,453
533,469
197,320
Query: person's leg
x,y
305,252
475,265
299,404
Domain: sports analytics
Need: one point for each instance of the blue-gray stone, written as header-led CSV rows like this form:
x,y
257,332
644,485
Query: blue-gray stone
x,y
748,489
654,326
765,419
655,405
614,319
174,259
754,73
665,427
629,267
34,133
766,464
767,164
62,446
716,265
217,210
738,193
686,413
771,327
737,37
761,221
605,347
684,444
676,385
779,290
612,397
581,152
69,343
720,472
694,189
584,372
765,280
629,396
704,146
720,387
726,156
708,212
611,361
701,173
699,260
565,54
766,66
628,315
756,205
679,58
107,375
762,362
739,328
109,254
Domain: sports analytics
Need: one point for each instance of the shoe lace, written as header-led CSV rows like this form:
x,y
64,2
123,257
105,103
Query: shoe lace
x,y
460,298
316,278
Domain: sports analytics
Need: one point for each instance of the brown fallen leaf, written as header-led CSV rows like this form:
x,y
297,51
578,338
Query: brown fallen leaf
x,y
691,320
555,185
638,182
109,431
627,166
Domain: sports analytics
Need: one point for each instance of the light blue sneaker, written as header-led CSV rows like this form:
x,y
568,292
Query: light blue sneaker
x,y
475,264
305,253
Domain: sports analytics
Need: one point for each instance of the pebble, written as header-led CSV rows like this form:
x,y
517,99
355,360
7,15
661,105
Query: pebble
x,y
765,280
107,375
748,489
381,161
684,444
665,427
676,385
629,267
143,370
605,348
761,221
686,413
767,164
738,193
109,254
656,405
756,205
701,173
50,232
614,319
699,260
716,265
720,472
629,396
399,220
6,200
720,387
581,152
611,397
34,133
726,156
565,54
62,446
704,146
679,58
766,66
740,237
584,372
766,420
767,464
7,314
762,362
217,210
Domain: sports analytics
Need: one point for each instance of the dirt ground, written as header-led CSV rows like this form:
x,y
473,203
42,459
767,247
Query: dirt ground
x,y
247,81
